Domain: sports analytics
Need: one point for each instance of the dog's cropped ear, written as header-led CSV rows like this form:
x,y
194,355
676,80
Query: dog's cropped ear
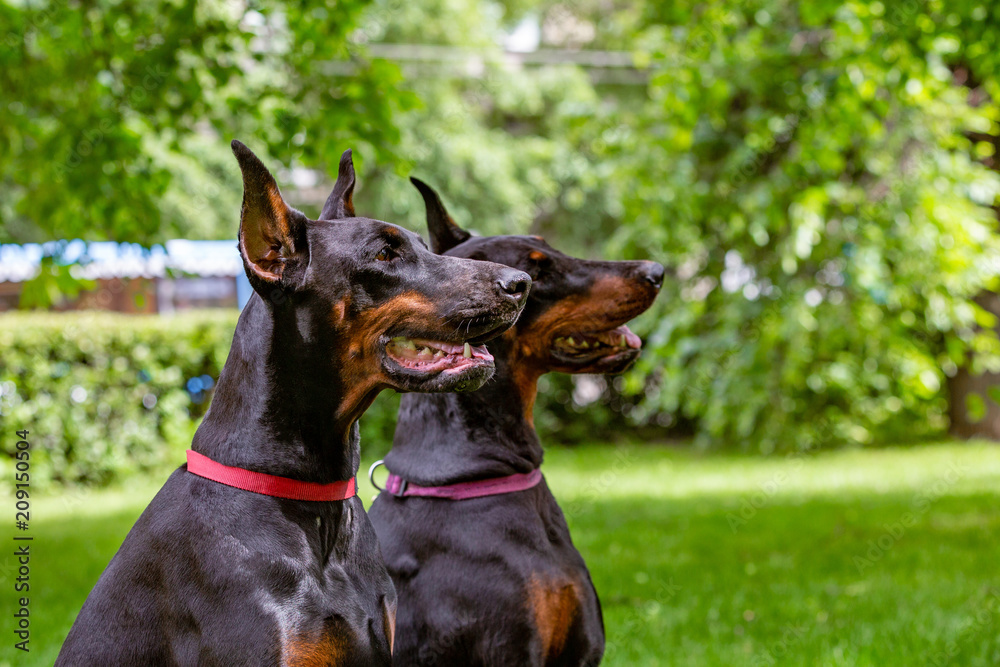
x,y
445,234
272,235
340,203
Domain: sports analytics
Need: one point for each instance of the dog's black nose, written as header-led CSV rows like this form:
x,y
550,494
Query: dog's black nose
x,y
514,282
654,274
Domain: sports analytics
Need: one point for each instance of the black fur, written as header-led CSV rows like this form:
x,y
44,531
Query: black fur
x,y
212,575
496,580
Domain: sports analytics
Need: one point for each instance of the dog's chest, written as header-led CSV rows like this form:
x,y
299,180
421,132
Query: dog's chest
x,y
326,617
314,623
323,600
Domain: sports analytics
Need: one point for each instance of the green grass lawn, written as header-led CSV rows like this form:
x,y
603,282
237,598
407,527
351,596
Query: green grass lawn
x,y
878,557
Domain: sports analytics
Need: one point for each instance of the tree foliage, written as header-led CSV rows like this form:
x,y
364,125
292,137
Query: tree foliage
x,y
117,113
817,174
827,212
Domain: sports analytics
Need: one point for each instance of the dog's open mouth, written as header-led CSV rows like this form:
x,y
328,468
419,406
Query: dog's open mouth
x,y
433,356
584,347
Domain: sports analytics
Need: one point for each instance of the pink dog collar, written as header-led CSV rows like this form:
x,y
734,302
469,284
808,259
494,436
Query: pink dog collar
x,y
494,486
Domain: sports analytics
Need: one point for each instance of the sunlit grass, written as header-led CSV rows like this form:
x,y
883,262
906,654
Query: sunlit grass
x,y
865,557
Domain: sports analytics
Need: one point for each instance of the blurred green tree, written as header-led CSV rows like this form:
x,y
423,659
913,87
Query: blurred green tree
x,y
107,106
826,208
816,173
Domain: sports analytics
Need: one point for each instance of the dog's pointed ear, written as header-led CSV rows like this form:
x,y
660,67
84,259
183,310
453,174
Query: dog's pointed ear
x,y
272,235
445,234
340,203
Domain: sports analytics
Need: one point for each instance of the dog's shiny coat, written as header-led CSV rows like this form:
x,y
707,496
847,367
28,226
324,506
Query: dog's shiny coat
x,y
496,580
214,575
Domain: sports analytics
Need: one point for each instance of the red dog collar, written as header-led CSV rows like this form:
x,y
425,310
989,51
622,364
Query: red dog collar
x,y
268,485
495,486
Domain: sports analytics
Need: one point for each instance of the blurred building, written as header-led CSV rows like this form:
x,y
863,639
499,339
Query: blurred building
x,y
178,275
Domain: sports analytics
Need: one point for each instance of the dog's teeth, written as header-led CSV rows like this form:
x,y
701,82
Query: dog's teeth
x,y
467,351
438,354
584,344
571,341
404,343
622,342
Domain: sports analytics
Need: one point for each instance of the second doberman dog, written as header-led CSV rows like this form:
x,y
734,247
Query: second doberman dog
x,y
259,552
485,569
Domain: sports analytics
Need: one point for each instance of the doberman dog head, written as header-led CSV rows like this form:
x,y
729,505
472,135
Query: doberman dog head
x,y
369,295
574,321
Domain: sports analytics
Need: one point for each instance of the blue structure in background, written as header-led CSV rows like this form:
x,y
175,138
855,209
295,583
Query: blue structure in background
x,y
183,274
243,289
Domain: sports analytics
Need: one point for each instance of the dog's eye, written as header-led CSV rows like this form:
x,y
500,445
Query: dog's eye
x,y
385,254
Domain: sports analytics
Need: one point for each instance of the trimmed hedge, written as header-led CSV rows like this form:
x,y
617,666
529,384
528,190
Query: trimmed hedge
x,y
106,395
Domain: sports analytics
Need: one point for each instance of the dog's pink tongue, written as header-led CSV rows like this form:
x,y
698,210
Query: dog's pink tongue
x,y
631,339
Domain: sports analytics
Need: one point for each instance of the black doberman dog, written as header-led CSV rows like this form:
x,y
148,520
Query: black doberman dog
x,y
496,580
216,575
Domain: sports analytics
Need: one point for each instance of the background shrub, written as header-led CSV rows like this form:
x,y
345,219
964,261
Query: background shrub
x,y
106,395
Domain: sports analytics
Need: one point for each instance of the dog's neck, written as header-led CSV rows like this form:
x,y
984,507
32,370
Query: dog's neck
x,y
280,403
448,438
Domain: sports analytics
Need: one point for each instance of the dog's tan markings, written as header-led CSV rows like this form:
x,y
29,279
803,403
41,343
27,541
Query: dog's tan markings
x,y
360,358
615,288
529,347
266,231
280,211
411,308
538,238
525,370
339,311
360,397
263,259
325,650
537,256
366,327
611,298
389,622
554,604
